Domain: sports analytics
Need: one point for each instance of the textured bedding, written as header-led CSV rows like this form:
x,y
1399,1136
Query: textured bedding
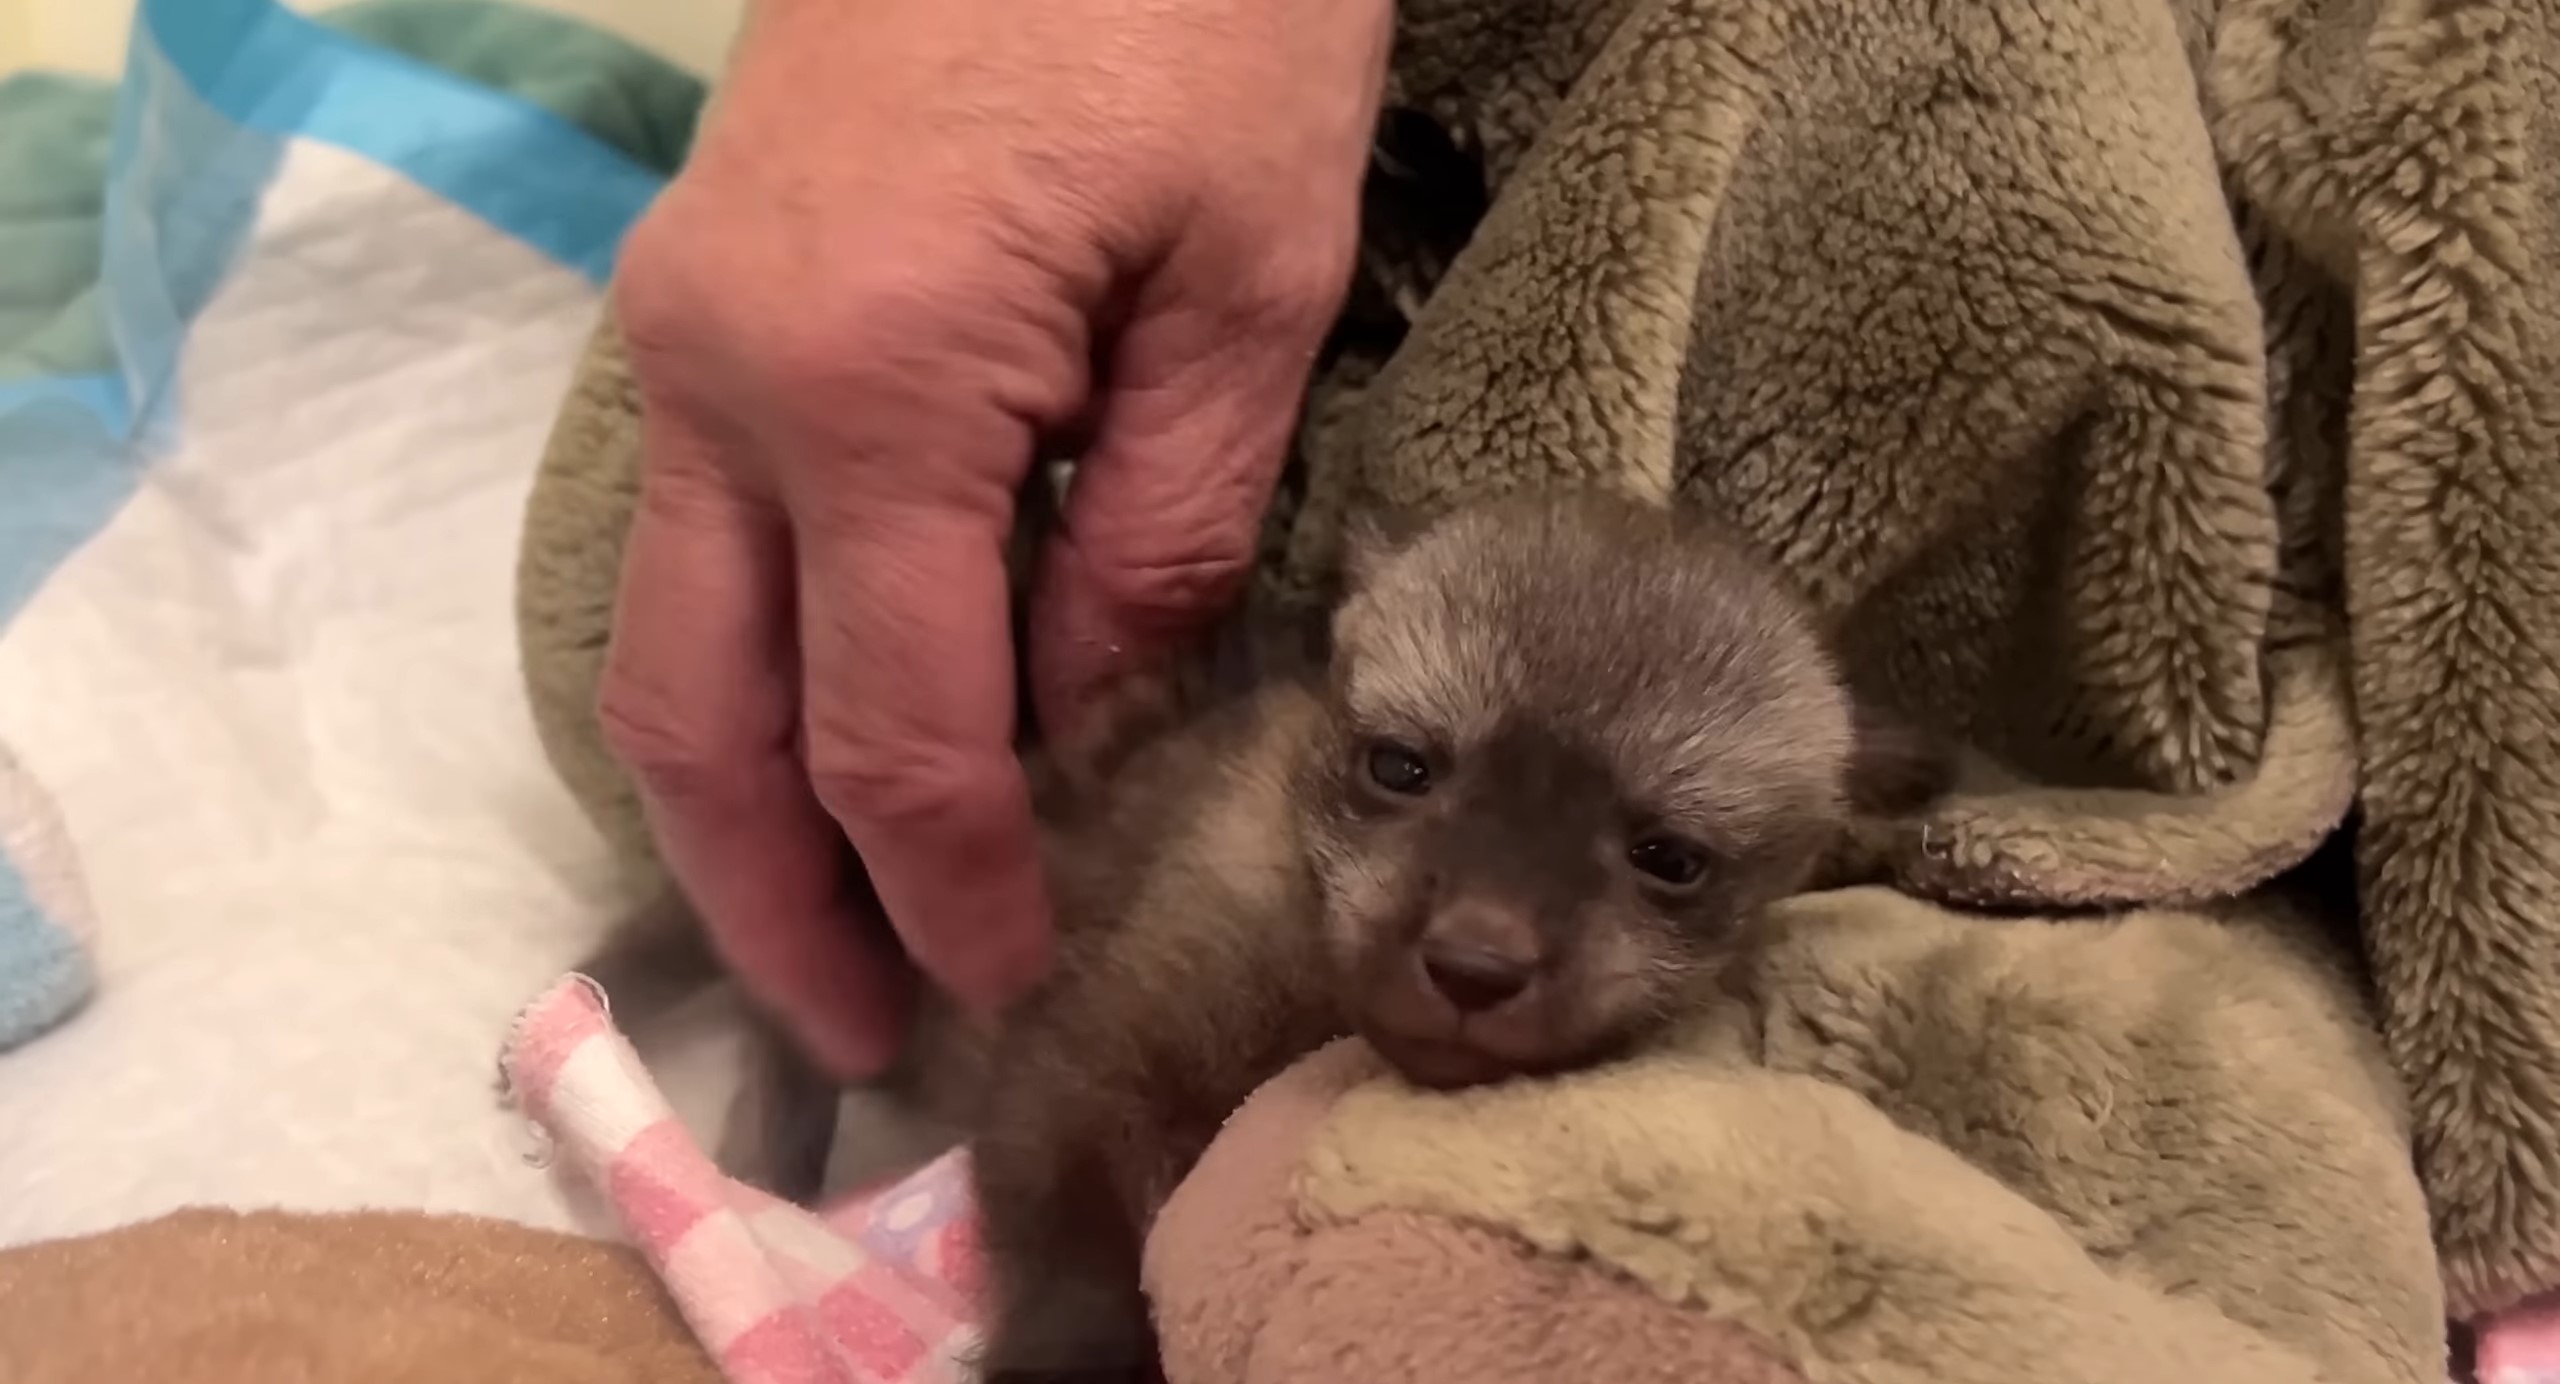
x,y
275,364
2155,397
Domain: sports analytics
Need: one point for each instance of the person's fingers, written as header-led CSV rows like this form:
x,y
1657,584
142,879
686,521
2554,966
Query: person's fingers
x,y
900,505
1165,512
909,719
700,700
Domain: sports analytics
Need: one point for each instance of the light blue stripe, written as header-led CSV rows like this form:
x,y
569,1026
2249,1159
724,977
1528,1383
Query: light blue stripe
x,y
183,185
213,90
516,165
183,188
102,396
64,469
45,974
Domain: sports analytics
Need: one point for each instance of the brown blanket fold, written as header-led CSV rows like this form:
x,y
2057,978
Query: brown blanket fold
x,y
225,1297
2164,397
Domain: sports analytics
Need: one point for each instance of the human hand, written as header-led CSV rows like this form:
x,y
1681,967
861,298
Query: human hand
x,y
913,239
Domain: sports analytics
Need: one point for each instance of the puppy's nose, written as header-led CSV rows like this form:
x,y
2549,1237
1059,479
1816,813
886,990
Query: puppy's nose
x,y
1474,978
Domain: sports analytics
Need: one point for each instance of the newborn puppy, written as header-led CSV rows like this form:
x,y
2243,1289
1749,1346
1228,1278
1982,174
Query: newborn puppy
x,y
1568,756
1565,752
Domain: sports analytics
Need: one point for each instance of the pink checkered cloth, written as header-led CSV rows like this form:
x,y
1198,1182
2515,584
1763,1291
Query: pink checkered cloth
x,y
879,1289
2522,1344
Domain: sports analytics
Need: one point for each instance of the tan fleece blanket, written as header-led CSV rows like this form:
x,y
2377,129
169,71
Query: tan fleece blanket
x,y
2080,1154
2164,397
225,1297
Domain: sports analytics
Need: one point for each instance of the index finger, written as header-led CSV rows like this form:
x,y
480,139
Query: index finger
x,y
699,700
909,705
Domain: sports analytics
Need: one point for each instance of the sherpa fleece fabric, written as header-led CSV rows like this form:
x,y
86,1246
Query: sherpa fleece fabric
x,y
2161,395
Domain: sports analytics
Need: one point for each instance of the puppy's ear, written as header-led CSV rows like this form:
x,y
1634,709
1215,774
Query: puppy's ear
x,y
1895,768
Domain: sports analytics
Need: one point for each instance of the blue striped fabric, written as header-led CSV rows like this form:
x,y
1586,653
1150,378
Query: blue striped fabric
x,y
212,92
45,973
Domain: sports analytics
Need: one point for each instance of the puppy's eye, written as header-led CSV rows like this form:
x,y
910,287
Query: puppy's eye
x,y
1669,860
1398,770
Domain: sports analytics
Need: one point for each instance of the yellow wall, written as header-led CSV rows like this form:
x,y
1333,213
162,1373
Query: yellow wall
x,y
88,35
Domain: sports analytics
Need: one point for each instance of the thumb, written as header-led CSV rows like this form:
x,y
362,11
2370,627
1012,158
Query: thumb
x,y
1160,528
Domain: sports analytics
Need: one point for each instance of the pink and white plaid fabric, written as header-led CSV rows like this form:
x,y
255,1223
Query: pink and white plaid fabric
x,y
879,1289
2522,1344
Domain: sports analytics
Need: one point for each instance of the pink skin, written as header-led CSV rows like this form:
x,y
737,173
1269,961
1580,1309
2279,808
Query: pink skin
x,y
916,236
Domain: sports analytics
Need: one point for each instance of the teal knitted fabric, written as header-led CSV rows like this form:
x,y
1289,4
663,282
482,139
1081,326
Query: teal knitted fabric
x,y
45,968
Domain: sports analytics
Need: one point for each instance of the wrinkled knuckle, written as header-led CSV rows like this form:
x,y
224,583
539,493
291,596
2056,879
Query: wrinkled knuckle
x,y
897,786
852,337
876,330
1201,570
653,743
689,293
661,286
1297,292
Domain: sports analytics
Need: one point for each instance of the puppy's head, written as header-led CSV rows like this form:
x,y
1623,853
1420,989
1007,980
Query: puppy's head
x,y
1573,748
